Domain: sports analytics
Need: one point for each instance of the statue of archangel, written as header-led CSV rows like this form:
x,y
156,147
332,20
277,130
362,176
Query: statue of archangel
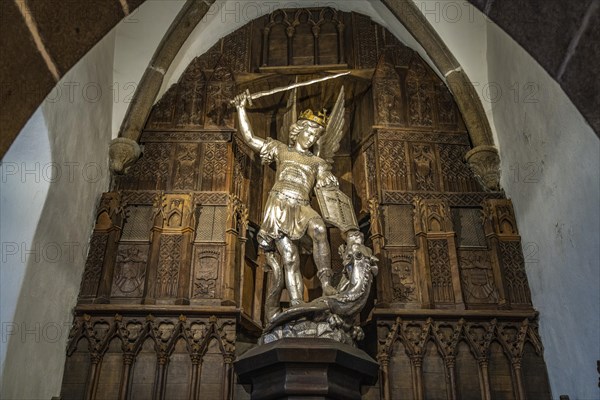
x,y
289,217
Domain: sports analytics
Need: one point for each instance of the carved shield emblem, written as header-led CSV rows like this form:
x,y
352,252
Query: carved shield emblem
x,y
336,208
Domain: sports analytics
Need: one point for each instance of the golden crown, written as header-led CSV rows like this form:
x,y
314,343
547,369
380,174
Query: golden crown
x,y
320,117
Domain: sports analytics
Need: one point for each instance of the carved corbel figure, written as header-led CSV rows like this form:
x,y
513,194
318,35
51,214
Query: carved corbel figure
x,y
485,164
123,153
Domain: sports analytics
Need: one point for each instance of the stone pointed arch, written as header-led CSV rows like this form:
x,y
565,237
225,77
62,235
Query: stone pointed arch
x,y
483,159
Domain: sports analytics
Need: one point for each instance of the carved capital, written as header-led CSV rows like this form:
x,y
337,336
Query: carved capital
x,y
383,358
128,358
162,359
417,360
196,358
450,361
123,153
485,164
95,358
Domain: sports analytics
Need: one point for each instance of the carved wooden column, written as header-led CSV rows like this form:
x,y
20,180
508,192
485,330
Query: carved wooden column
x,y
227,331
243,222
153,256
315,31
492,238
416,362
128,359
341,45
92,386
484,378
170,260
164,343
450,365
507,254
383,360
160,383
195,375
384,288
437,252
518,376
290,37
265,51
100,264
232,260
422,258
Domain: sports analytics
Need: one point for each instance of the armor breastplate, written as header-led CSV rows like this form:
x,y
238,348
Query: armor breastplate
x,y
296,174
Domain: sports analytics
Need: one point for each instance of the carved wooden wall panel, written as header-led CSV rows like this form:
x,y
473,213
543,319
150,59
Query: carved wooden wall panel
x,y
399,226
457,177
169,261
404,278
393,165
388,94
366,39
174,271
421,94
441,275
477,278
454,358
130,271
514,269
434,374
467,373
93,266
208,263
236,49
136,357
468,225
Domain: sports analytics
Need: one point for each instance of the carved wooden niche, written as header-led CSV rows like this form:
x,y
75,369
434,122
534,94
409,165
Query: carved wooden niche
x,y
303,37
387,91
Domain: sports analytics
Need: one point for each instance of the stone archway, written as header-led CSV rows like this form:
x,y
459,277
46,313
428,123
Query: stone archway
x,y
483,159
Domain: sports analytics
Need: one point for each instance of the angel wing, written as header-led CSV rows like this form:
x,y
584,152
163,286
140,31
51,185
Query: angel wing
x,y
329,143
290,116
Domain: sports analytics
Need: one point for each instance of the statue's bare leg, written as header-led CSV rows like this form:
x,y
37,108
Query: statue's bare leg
x,y
321,254
290,258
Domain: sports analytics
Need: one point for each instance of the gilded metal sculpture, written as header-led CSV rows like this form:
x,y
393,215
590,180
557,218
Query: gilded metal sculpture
x,y
289,220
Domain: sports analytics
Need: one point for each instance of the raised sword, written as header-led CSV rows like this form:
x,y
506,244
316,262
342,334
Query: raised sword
x,y
264,93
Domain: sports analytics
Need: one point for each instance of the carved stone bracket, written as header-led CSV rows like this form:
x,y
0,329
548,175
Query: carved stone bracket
x,y
123,154
485,164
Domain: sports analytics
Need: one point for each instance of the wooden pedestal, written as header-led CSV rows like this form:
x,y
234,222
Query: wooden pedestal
x,y
306,369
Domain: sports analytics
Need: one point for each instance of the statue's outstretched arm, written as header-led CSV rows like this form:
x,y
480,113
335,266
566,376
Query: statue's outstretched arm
x,y
245,128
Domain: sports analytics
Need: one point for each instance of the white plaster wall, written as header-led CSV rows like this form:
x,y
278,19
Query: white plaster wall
x,y
551,170
137,38
77,115
25,173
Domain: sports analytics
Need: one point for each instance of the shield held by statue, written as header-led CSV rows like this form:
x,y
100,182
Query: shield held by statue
x,y
336,208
